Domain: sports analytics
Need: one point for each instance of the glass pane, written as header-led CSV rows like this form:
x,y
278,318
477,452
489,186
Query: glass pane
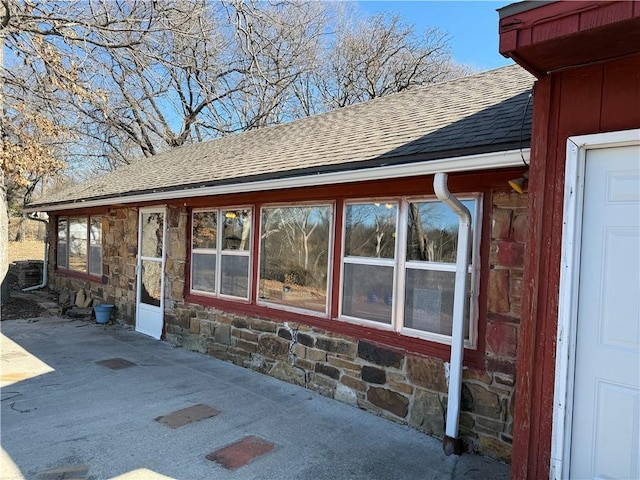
x,y
432,234
294,255
95,260
368,292
62,230
429,301
203,272
95,248
151,285
236,229
205,229
62,255
152,227
78,244
370,230
235,276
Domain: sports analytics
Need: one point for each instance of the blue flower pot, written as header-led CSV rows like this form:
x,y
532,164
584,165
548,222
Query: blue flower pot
x,y
103,313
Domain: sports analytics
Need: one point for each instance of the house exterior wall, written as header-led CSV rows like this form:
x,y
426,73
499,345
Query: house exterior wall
x,y
592,99
387,378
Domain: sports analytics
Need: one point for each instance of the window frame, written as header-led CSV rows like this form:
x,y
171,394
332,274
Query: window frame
x,y
219,252
88,219
401,266
330,256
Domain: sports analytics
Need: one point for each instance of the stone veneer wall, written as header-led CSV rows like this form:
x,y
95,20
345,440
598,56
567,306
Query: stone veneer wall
x,y
119,250
397,385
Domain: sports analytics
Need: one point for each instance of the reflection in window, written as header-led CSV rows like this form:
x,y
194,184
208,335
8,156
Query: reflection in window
x,y
294,256
220,252
425,262
75,250
95,246
78,244
151,284
152,231
62,251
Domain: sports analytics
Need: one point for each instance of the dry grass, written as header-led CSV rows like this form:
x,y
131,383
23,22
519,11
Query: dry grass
x,y
26,250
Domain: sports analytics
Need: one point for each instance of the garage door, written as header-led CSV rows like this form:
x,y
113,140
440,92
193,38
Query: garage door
x,y
606,398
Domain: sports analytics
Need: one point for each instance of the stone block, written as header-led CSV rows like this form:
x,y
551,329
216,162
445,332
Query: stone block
x,y
501,224
240,323
327,370
195,343
345,394
502,339
427,413
273,347
495,448
207,327
521,228
488,425
508,254
246,346
288,373
353,383
305,364
473,374
222,334
284,333
323,385
477,399
343,364
316,355
498,291
263,325
332,345
510,200
390,401
373,375
400,387
194,326
379,356
177,289
501,365
427,373
306,340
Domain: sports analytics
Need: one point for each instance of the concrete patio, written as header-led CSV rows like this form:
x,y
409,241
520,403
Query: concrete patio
x,y
88,401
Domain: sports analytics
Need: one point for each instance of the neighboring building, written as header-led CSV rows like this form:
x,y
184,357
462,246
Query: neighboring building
x,y
578,402
317,252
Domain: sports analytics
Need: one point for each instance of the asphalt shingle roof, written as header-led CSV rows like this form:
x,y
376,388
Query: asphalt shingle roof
x,y
475,114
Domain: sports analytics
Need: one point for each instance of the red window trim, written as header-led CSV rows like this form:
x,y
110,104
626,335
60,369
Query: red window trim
x,y
66,271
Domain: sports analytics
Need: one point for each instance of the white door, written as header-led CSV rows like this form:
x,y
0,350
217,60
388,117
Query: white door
x,y
606,398
150,288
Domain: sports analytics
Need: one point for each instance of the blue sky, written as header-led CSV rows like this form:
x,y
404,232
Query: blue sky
x,y
472,26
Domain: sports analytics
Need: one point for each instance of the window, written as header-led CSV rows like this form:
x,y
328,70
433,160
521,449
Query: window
x,y
221,252
399,265
79,244
295,251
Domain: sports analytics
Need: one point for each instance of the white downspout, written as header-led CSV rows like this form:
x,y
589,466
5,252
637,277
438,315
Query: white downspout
x,y
451,442
45,267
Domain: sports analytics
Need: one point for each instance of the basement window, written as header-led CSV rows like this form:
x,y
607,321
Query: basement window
x,y
221,252
399,264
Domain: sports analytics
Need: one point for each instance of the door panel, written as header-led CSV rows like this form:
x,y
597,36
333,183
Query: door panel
x,y
606,400
150,305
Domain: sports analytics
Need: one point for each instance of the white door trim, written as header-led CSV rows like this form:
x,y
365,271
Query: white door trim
x,y
142,211
577,147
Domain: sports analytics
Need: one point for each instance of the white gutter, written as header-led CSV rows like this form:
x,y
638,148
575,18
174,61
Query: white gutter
x,y
485,161
45,265
451,442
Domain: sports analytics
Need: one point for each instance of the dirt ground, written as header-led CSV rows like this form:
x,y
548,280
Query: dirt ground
x,y
21,308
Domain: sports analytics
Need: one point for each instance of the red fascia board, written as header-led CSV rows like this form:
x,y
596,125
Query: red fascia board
x,y
560,19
